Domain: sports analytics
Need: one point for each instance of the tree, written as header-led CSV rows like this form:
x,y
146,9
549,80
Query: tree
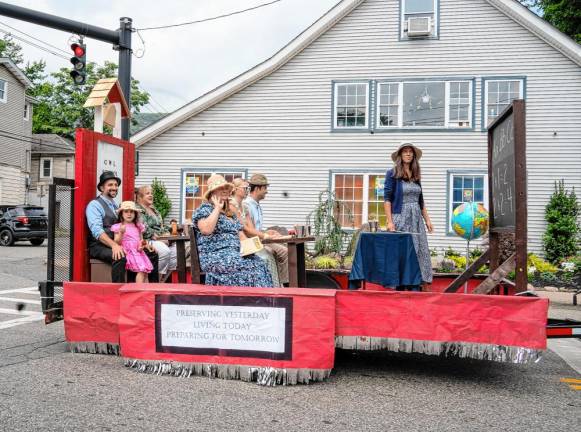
x,y
563,14
60,109
10,49
561,238
160,199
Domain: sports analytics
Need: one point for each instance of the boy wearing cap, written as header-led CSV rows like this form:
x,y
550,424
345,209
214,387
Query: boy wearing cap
x,y
258,190
101,215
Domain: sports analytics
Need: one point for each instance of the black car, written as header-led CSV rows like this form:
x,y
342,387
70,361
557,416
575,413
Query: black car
x,y
22,222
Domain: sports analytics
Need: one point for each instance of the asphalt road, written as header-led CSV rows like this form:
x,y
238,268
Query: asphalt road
x,y
42,386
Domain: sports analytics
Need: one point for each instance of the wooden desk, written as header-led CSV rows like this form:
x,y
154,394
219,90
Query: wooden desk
x,y
296,257
180,242
297,273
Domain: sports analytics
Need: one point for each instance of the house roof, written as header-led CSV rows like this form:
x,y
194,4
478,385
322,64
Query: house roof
x,y
512,8
11,66
51,143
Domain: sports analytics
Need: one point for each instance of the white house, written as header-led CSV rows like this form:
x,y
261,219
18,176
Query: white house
x,y
328,109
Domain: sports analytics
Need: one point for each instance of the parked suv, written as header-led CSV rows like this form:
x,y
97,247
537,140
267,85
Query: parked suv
x,y
22,222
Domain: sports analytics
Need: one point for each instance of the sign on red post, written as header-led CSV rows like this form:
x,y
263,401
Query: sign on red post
x,y
95,153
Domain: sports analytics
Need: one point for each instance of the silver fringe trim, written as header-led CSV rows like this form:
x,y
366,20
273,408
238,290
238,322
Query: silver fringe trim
x,y
497,353
266,376
94,348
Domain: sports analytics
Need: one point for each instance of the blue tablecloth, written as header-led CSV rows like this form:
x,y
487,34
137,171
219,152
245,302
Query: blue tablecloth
x,y
387,259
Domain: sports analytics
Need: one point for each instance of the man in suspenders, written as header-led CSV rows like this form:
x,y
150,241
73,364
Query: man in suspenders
x,y
101,215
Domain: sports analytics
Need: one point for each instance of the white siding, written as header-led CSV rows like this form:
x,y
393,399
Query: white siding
x,y
12,185
280,126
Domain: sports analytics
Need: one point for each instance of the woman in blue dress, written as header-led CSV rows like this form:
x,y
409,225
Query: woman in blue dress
x,y
218,234
404,204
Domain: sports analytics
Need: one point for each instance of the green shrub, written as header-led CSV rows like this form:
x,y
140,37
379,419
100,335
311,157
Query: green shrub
x,y
451,253
562,235
326,262
348,261
325,219
160,199
540,265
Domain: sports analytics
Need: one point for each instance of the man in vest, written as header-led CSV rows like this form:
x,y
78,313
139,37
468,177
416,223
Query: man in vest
x,y
101,215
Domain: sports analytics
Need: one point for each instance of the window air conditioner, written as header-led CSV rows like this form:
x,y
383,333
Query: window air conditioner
x,y
419,26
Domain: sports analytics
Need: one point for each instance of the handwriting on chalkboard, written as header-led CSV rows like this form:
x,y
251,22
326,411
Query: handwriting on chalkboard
x,y
502,173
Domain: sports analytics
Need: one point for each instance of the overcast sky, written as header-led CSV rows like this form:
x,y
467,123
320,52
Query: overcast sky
x,y
179,64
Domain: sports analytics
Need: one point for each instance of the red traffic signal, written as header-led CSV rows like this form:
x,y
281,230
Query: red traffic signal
x,y
78,49
79,62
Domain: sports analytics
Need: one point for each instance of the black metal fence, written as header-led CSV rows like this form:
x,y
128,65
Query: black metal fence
x,y
59,265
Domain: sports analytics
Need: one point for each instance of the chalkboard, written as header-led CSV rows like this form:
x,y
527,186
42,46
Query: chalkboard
x,y
503,192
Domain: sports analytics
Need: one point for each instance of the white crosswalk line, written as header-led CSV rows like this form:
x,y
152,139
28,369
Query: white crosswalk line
x,y
20,290
26,317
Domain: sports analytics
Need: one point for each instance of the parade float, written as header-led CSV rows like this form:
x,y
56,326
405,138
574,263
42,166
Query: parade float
x,y
289,335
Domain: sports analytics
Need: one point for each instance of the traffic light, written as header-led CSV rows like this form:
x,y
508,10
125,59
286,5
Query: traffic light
x,y
79,62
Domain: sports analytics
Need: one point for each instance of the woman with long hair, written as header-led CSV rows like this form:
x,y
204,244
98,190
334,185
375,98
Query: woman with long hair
x,y
404,203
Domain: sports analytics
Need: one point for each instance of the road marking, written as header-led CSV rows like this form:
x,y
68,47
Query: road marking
x,y
26,317
575,387
18,300
571,380
20,290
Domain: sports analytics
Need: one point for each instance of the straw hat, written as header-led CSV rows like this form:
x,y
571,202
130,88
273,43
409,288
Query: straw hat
x,y
417,151
258,180
216,181
128,205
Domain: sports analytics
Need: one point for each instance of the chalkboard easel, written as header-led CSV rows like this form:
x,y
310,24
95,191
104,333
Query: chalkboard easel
x,y
507,201
507,186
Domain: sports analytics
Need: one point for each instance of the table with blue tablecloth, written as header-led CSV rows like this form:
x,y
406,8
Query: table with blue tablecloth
x,y
385,258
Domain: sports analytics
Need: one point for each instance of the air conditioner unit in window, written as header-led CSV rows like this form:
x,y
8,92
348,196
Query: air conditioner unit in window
x,y
419,26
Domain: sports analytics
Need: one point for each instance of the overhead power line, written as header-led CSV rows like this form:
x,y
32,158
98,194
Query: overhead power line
x,y
66,57
211,18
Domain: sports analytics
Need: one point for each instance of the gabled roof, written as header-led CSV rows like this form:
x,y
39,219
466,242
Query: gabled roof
x,y
512,8
108,89
11,66
51,143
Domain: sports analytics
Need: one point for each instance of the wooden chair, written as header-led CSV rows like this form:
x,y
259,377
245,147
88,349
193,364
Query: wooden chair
x,y
198,276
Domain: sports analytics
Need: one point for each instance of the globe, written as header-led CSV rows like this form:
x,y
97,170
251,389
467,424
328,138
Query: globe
x,y
470,220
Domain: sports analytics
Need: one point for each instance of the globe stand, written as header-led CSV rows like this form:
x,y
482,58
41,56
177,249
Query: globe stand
x,y
469,197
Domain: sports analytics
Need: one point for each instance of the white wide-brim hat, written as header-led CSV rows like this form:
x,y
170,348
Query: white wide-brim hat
x,y
403,145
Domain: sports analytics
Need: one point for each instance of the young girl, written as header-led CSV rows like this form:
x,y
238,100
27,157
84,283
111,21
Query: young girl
x,y
129,234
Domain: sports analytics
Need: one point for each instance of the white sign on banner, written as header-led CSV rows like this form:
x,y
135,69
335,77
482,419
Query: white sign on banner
x,y
110,158
240,328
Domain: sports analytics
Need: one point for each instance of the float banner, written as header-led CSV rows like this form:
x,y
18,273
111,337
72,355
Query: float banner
x,y
91,313
486,327
272,336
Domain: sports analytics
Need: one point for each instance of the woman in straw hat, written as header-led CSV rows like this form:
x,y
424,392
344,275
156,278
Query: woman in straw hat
x,y
404,203
218,233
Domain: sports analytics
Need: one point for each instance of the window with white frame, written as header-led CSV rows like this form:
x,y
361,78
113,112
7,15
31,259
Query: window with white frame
x,y
424,104
194,187
360,196
26,111
464,187
3,91
45,167
499,94
351,105
419,19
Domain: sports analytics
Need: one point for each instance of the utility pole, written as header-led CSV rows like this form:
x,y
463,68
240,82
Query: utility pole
x,y
120,39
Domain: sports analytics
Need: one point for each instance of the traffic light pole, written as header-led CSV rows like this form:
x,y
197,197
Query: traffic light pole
x,y
120,39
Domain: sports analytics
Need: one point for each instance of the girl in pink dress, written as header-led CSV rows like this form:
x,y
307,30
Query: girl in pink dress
x,y
129,234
